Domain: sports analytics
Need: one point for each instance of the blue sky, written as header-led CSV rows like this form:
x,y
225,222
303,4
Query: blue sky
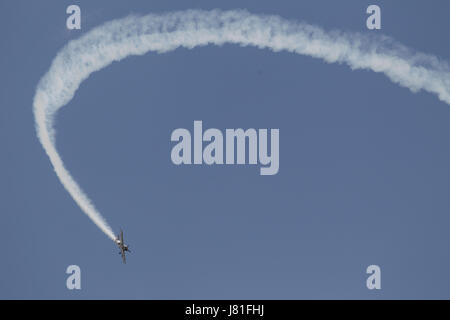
x,y
364,174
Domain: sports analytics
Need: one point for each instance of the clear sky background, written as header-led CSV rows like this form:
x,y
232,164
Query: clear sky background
x,y
364,165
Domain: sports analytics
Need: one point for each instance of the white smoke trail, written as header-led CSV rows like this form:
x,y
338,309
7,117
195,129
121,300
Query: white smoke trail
x,y
135,35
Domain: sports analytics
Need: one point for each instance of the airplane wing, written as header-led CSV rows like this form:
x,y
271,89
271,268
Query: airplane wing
x,y
123,256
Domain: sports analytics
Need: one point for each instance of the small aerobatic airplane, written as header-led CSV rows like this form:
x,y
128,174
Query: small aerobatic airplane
x,y
122,246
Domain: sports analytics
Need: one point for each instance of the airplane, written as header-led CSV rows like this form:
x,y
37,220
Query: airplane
x,y
122,246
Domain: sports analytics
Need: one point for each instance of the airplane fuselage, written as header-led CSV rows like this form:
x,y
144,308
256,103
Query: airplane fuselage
x,y
122,246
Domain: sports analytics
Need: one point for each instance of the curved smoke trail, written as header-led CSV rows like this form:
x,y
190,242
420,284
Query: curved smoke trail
x,y
137,35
